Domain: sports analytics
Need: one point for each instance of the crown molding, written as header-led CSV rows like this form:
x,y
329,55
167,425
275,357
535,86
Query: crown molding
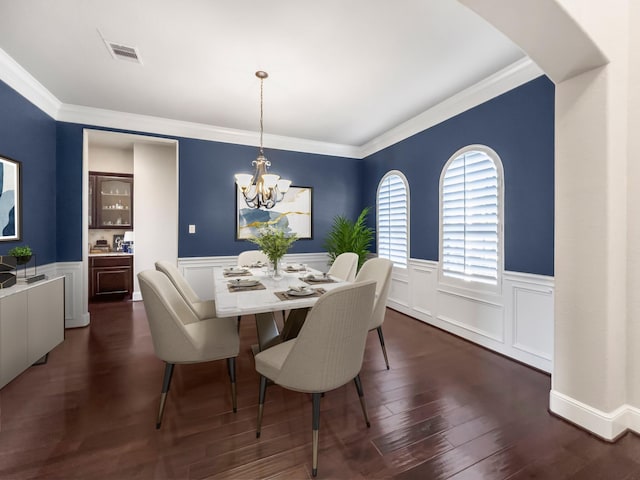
x,y
26,85
501,82
177,128
516,74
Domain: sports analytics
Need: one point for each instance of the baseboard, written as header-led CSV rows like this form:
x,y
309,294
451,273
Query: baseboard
x,y
78,322
606,425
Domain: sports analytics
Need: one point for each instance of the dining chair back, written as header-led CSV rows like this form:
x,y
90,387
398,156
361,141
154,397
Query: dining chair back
x,y
252,257
326,354
378,269
344,266
180,337
202,308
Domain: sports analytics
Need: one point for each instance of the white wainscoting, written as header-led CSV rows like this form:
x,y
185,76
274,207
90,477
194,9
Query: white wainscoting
x,y
517,322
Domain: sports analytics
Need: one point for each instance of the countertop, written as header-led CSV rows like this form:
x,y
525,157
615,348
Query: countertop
x,y
111,254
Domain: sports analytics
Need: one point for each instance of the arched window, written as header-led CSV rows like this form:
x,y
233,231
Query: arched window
x,y
471,216
393,218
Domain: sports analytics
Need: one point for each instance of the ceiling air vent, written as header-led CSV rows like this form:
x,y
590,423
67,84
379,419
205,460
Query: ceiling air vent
x,y
123,52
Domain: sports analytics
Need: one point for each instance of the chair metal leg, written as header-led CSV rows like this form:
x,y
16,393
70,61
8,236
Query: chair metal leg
x,y
263,391
362,402
315,425
168,373
231,365
384,350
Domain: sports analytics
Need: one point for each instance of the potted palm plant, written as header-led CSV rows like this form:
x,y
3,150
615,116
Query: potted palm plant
x,y
349,236
274,242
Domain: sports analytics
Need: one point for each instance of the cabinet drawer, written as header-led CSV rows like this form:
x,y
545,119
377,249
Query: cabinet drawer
x,y
115,261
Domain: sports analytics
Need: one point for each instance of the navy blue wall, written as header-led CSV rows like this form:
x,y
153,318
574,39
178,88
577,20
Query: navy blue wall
x,y
207,192
519,126
28,135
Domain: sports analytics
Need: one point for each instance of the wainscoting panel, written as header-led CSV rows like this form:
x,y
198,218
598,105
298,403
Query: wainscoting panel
x,y
399,289
476,316
423,288
518,322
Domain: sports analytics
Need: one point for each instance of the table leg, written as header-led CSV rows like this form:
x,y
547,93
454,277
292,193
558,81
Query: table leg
x,y
293,323
268,333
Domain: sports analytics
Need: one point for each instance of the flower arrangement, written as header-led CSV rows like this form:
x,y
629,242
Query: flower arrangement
x,y
273,242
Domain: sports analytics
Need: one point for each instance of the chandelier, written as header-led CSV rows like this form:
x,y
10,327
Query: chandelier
x,y
261,189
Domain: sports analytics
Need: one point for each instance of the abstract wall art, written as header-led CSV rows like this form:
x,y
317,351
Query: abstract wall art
x,y
10,227
292,214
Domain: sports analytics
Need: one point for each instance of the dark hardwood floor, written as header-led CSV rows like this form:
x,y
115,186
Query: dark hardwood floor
x,y
446,409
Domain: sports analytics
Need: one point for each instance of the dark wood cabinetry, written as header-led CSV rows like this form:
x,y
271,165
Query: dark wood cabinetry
x,y
110,200
110,276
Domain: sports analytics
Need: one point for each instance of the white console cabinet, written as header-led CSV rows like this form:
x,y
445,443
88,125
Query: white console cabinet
x,y
31,324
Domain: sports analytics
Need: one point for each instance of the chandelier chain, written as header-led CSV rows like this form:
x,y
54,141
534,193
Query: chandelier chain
x,y
261,113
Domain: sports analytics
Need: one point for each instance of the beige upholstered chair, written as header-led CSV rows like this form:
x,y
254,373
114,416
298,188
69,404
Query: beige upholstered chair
x,y
202,308
180,337
251,257
378,269
345,266
326,354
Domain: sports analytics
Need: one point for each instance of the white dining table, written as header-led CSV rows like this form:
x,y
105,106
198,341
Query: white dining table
x,y
263,303
245,302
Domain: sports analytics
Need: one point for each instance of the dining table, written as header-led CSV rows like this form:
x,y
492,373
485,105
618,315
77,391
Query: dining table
x,y
253,290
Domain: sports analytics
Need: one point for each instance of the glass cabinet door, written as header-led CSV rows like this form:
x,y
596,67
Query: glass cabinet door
x,y
114,201
92,203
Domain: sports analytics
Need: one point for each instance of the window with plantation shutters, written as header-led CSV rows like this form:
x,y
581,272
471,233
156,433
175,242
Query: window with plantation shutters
x,y
393,218
470,243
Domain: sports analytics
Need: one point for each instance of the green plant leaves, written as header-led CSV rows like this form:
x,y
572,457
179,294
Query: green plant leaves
x,y
273,242
348,236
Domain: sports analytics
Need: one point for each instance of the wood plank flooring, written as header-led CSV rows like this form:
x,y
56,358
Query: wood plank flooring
x,y
446,409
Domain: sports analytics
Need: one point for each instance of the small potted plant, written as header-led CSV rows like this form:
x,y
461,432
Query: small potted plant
x,y
22,253
274,242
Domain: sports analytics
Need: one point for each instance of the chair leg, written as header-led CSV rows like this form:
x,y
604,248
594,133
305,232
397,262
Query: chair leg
x,y
263,391
315,425
362,402
384,350
231,365
168,373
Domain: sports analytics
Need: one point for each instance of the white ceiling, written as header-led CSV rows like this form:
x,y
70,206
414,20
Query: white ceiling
x,y
341,72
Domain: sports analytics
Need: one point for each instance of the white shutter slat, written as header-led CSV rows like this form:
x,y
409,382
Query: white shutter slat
x,y
470,218
392,220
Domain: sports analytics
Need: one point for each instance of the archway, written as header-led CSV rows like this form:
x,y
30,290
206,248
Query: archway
x,y
585,50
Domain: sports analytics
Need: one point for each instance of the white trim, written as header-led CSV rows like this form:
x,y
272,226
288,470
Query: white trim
x,y
473,286
453,310
607,425
163,126
516,74
26,85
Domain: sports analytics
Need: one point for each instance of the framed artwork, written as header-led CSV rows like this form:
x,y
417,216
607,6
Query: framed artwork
x,y
10,196
292,214
117,242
